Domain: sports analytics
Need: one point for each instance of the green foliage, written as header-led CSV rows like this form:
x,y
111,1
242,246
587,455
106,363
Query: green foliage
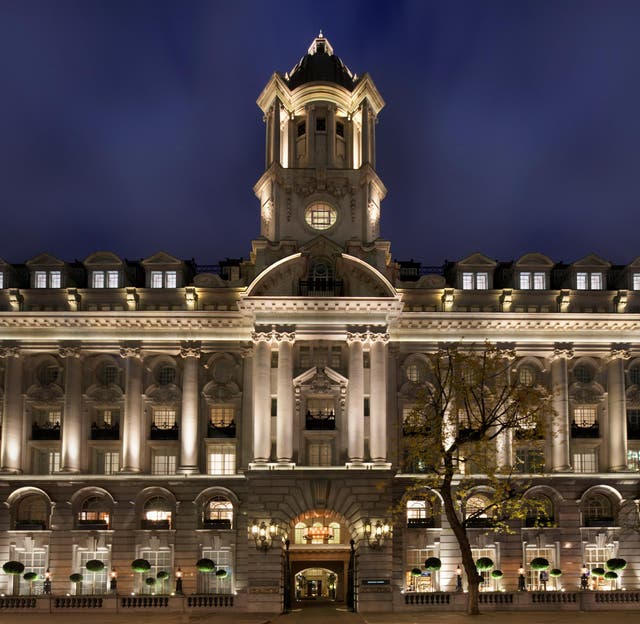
x,y
75,578
611,576
484,563
13,567
616,564
205,565
223,574
150,581
163,575
497,574
140,565
555,572
94,565
539,563
432,564
598,572
30,577
416,572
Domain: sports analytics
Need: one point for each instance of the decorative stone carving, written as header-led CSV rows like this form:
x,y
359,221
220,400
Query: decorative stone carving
x,y
620,350
69,352
562,350
6,352
188,349
131,352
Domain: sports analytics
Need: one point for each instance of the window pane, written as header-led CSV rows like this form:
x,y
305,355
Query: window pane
x,y
482,281
585,415
597,281
467,281
525,281
40,279
222,459
539,281
112,279
156,279
163,464
55,279
581,281
1,280
98,280
585,461
636,281
164,418
171,279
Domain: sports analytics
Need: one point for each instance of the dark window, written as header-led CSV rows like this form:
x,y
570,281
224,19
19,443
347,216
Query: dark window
x,y
583,373
340,129
634,375
321,124
302,128
166,375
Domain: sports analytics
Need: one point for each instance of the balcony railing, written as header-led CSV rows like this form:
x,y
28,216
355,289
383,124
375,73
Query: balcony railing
x,y
164,433
585,430
47,431
421,523
105,432
92,525
30,525
480,523
156,524
320,422
320,288
221,430
216,523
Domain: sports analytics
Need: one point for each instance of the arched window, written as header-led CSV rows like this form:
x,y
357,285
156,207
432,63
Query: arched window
x,y
218,513
477,512
540,513
526,375
156,514
32,513
165,374
598,511
415,371
94,514
421,513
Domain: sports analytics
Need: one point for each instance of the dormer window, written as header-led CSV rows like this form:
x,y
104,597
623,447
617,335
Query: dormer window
x,y
475,280
1,279
163,279
635,281
535,280
47,279
105,279
592,280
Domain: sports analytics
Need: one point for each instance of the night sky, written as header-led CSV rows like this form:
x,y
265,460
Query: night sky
x,y
131,126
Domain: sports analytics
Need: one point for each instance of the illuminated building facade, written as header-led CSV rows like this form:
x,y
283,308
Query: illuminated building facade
x,y
166,411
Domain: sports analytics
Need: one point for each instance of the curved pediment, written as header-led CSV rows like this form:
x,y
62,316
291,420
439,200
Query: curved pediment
x,y
353,278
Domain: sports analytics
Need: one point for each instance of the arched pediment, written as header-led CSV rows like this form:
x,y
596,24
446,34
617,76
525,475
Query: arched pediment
x,y
357,277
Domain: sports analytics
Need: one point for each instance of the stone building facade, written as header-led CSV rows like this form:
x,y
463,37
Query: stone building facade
x,y
172,412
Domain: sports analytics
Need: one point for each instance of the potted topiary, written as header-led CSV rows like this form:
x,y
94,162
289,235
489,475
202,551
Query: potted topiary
x,y
597,574
162,576
76,579
30,577
416,572
14,568
150,582
612,577
205,565
95,566
555,574
140,566
221,574
484,564
433,564
541,565
496,575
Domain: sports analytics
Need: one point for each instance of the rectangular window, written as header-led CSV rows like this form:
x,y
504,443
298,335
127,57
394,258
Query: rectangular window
x,y
1,280
539,281
163,463
212,583
156,279
336,357
585,461
55,279
171,279
160,561
597,281
321,124
482,281
581,281
112,279
585,415
525,281
427,581
53,462
222,415
633,460
534,580
108,462
94,582
467,281
34,561
98,279
221,459
529,461
164,418
487,583
596,557
319,453
40,279
635,281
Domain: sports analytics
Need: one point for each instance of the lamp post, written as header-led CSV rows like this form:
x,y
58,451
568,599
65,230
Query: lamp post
x,y
522,582
46,588
113,582
458,579
178,581
584,578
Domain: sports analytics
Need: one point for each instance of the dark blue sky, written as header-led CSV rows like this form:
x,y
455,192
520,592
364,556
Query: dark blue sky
x,y
132,126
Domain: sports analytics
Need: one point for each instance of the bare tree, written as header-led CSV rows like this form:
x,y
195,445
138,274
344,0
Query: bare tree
x,y
469,404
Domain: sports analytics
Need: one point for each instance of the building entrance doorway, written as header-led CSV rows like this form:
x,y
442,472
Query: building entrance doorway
x,y
318,576
316,583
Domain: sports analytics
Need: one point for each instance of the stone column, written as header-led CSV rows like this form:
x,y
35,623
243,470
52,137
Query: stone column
x,y
72,442
262,397
189,412
378,398
560,429
355,397
617,408
284,422
11,441
504,450
275,123
132,432
365,144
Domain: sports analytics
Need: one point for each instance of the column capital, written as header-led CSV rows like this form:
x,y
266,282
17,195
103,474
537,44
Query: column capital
x,y
620,350
131,352
190,350
562,350
279,337
353,337
507,349
7,352
382,337
69,352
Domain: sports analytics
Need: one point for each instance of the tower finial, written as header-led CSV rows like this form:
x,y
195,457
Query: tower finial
x,y
320,34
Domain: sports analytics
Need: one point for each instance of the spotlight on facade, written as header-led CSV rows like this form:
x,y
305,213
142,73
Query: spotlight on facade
x,y
377,533
263,535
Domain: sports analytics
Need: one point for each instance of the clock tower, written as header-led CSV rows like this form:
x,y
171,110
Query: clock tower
x,y
320,179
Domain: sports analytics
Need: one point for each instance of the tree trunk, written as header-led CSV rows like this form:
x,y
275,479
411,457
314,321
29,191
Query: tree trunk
x,y
463,541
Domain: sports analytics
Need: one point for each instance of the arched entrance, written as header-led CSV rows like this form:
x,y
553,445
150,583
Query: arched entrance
x,y
316,584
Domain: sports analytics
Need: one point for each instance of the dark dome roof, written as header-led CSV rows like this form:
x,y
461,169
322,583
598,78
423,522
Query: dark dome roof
x,y
320,64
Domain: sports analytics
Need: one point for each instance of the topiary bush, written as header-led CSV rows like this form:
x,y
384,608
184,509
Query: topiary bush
x,y
205,565
484,563
163,575
432,564
13,567
555,572
76,579
94,565
223,574
140,565
150,581
416,572
616,564
497,574
598,571
611,576
539,563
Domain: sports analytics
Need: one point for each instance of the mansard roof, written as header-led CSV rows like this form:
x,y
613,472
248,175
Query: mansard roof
x,y
320,64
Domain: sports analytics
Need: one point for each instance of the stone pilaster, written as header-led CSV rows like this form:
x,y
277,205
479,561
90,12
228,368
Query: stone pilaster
x,y
617,408
378,398
560,429
284,422
262,397
355,420
132,431
72,438
189,413
11,442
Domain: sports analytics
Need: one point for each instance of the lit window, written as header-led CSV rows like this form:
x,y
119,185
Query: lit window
x,y
525,281
592,281
221,459
171,279
163,279
163,464
40,279
635,281
93,582
633,460
156,279
108,462
539,281
526,375
98,279
164,418
221,415
321,216
585,461
112,279
160,561
214,583
475,281
585,415
1,280
53,462
415,372
596,281
47,279
219,512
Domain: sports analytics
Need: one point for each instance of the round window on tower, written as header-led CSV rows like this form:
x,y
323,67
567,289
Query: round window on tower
x,y
320,216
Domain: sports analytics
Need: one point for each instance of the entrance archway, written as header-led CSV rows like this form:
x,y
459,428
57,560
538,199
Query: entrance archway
x,y
316,584
319,575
